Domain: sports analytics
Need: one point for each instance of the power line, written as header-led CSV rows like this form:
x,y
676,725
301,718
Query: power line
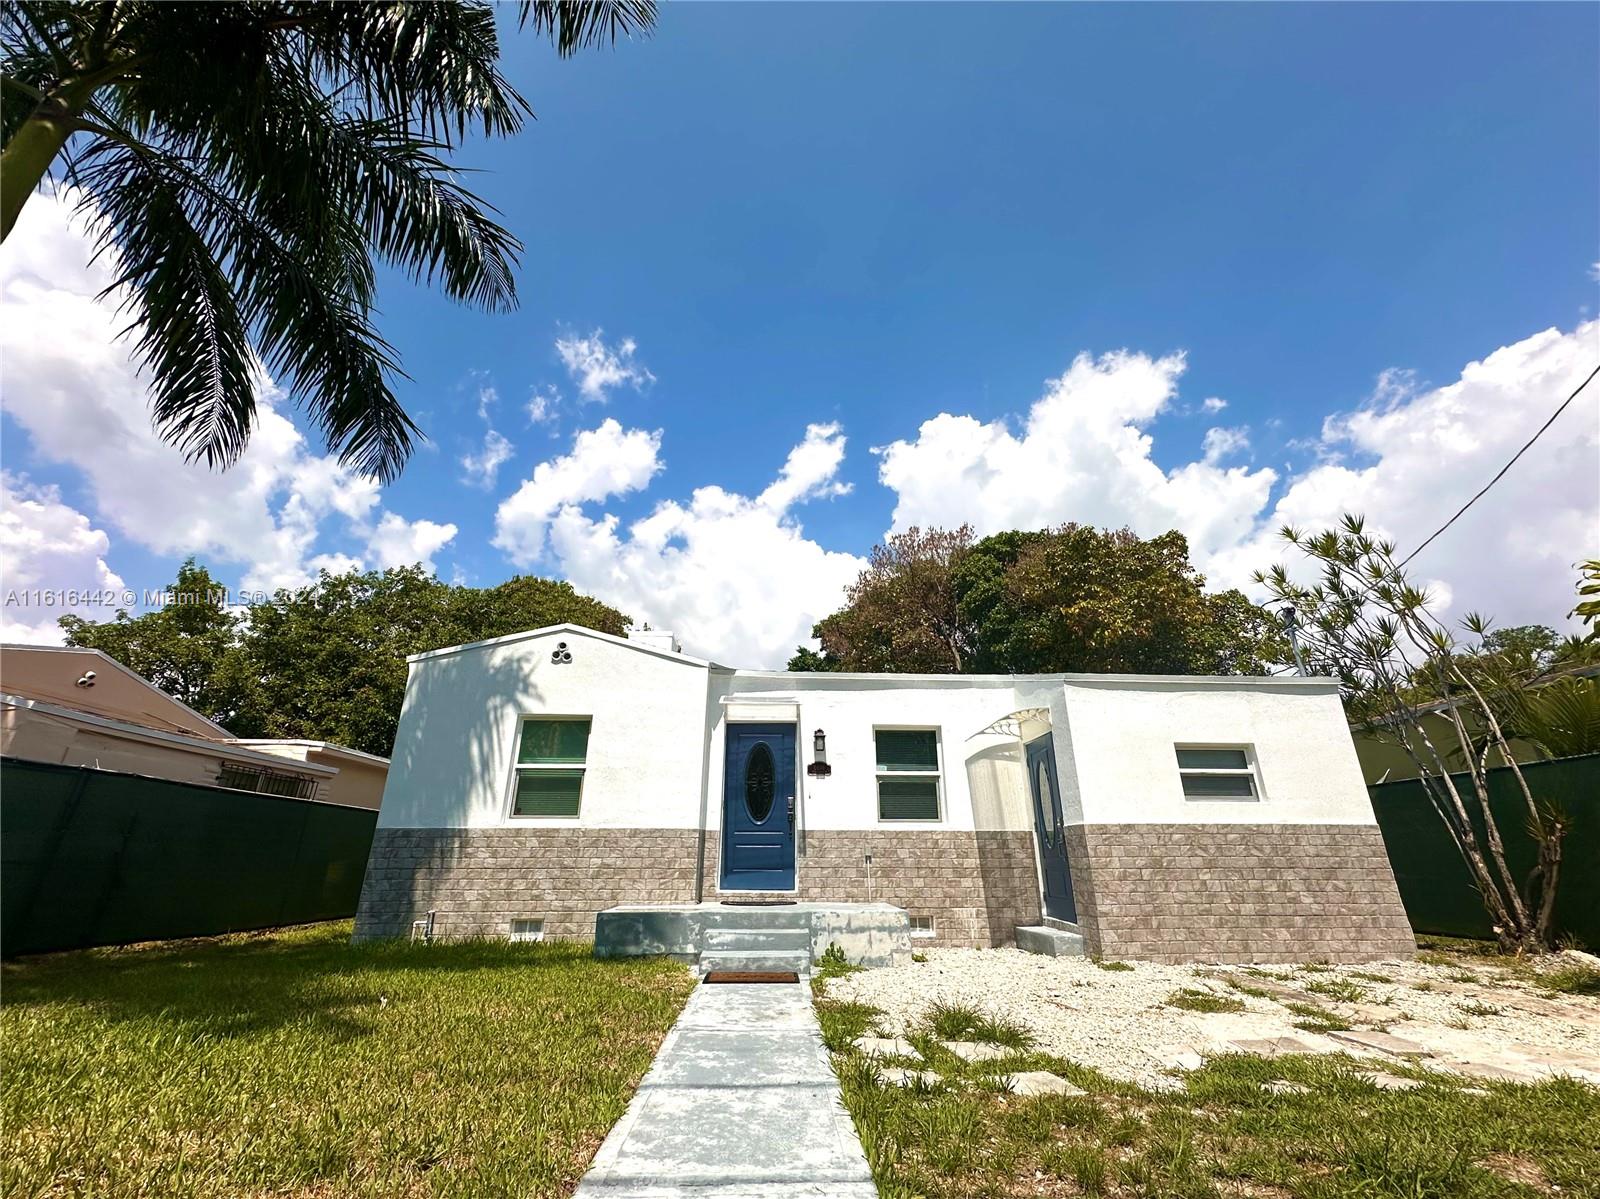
x,y
1460,511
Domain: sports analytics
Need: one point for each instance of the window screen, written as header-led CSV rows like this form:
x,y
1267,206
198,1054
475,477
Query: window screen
x,y
550,761
1216,773
908,774
554,741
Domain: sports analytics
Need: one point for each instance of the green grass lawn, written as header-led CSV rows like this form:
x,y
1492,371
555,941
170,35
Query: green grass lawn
x,y
294,1063
1222,1135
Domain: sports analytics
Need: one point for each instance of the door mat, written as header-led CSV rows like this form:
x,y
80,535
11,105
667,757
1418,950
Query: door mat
x,y
751,976
759,903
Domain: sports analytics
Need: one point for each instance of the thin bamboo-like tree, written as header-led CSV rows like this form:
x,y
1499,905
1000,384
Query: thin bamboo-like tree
x,y
1400,666
248,164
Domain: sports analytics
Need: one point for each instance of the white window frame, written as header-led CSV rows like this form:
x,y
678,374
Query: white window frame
x,y
1251,770
936,774
517,768
525,934
927,929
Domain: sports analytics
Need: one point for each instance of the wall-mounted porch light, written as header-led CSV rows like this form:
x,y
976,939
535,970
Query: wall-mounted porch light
x,y
819,768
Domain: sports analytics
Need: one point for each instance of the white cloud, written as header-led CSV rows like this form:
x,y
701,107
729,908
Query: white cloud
x,y
481,468
400,542
605,461
809,471
1410,458
1082,455
72,384
736,578
543,402
47,545
1220,443
1407,459
597,368
1213,403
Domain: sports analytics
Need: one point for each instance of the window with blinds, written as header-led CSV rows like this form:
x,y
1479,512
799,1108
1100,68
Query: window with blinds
x,y
551,753
908,774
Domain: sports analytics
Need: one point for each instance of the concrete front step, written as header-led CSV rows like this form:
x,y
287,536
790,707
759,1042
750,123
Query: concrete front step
x,y
869,934
1052,942
741,917
797,960
758,940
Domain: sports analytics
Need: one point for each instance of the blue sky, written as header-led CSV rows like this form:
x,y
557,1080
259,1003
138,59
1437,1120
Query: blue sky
x,y
866,216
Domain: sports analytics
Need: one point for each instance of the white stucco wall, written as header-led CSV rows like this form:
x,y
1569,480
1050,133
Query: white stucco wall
x,y
659,719
1120,737
848,710
455,748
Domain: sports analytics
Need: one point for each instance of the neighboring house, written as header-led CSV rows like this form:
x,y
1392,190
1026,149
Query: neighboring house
x,y
542,777
80,707
359,783
1385,760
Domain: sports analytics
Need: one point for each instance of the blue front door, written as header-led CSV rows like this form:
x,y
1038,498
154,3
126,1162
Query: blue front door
x,y
758,793
1047,825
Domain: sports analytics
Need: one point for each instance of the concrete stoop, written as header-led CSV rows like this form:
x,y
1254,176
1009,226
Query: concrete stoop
x,y
720,936
1050,941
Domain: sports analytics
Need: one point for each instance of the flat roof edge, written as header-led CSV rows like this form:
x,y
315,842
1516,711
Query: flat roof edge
x,y
1310,683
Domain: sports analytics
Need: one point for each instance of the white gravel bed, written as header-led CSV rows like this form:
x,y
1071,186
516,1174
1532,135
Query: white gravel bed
x,y
1117,1021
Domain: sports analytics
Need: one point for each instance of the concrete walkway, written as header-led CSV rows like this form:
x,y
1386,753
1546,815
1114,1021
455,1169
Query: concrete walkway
x,y
741,1101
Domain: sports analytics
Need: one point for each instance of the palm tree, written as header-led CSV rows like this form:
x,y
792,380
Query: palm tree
x,y
249,163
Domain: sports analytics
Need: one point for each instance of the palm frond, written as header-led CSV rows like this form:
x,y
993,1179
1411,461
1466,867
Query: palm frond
x,y
191,336
575,25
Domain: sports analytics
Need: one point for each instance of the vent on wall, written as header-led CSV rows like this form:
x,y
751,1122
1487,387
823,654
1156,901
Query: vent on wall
x,y
527,930
922,926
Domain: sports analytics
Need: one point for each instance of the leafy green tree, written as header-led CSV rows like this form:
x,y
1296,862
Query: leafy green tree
x,y
186,646
807,659
251,162
325,662
1076,598
902,614
1072,598
329,661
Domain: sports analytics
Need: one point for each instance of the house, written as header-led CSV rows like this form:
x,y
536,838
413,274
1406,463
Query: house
x,y
80,707
1385,760
542,778
359,783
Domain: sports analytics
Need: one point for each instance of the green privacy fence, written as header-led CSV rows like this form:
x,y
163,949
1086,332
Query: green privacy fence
x,y
93,857
1435,885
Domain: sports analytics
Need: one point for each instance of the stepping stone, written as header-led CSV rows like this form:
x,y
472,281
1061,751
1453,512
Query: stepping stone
x,y
974,1051
887,1047
1268,986
1184,1057
1371,1013
1381,1042
899,1076
1388,1082
1040,1082
1275,1047
1280,1087
1486,1071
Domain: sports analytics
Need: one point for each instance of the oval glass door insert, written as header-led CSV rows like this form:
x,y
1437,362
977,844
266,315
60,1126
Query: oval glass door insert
x,y
1047,809
760,780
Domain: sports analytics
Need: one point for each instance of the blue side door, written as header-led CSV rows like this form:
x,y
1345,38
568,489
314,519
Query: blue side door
x,y
1047,823
758,796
